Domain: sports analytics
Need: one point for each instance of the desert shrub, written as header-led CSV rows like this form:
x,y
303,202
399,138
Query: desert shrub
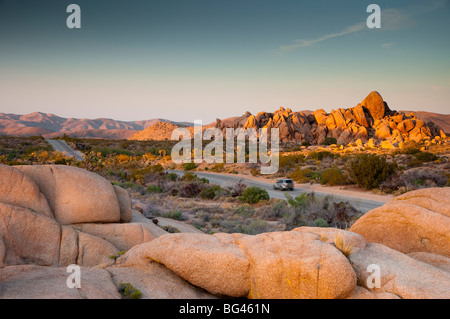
x,y
211,192
368,171
320,155
140,175
420,158
414,179
188,166
286,163
218,167
329,141
170,229
253,195
408,151
62,161
301,175
237,189
254,172
157,168
333,176
191,177
152,189
175,214
171,176
320,222
130,185
128,291
299,201
190,190
275,210
244,211
310,210
245,226
254,227
117,255
105,151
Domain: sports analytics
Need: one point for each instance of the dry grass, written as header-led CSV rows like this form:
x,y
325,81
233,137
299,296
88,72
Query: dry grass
x,y
345,248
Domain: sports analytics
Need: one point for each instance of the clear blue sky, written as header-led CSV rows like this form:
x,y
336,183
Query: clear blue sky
x,y
202,59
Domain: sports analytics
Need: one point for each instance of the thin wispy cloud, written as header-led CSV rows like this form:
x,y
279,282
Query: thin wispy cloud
x,y
391,19
387,45
307,43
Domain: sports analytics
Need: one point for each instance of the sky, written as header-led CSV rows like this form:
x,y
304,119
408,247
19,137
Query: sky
x,y
206,59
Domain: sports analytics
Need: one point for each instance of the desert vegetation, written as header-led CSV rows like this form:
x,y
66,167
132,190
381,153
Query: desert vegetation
x,y
141,168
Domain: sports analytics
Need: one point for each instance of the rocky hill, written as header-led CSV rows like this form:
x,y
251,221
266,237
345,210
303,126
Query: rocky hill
x,y
50,125
55,216
372,118
159,131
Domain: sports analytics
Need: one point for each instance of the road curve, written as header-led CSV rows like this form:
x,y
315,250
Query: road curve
x,y
62,147
359,203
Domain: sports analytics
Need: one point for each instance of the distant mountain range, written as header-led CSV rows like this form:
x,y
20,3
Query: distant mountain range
x,y
50,125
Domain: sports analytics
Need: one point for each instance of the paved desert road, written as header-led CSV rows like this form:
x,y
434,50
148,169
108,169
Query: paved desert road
x,y
362,204
61,146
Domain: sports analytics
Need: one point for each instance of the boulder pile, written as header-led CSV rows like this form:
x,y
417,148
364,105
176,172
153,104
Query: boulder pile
x,y
371,119
55,216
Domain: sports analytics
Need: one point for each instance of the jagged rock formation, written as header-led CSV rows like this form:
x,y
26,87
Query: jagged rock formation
x,y
54,216
372,118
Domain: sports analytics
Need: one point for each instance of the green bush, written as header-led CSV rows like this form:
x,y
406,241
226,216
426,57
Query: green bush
x,y
369,170
128,291
304,175
425,156
176,214
188,166
211,192
253,195
289,162
189,177
321,155
333,176
320,222
421,158
171,176
301,175
154,189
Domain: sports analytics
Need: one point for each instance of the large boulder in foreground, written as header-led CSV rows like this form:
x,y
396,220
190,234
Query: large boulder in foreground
x,y
38,282
155,281
400,274
27,237
75,195
20,190
293,264
418,221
